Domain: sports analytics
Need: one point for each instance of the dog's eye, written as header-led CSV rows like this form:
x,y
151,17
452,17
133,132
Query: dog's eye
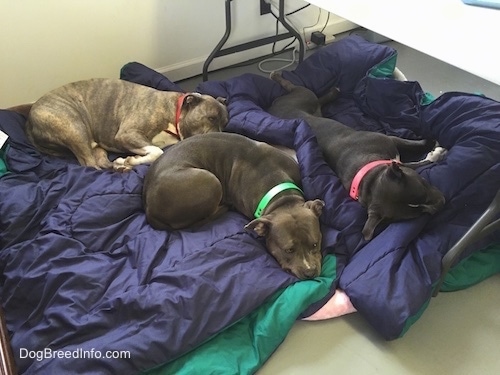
x,y
289,251
212,118
413,205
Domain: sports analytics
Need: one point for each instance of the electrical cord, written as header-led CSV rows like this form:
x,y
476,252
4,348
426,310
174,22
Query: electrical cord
x,y
326,23
297,10
308,27
289,62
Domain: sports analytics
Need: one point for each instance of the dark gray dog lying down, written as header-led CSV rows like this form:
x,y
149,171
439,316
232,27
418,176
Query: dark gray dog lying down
x,y
91,117
367,163
200,178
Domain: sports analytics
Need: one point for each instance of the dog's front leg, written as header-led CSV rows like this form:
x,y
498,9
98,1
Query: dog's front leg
x,y
144,155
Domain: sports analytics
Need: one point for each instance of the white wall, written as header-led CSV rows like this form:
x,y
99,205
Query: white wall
x,y
47,43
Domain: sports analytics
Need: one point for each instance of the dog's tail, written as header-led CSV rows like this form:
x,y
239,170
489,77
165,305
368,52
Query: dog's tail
x,y
23,109
330,96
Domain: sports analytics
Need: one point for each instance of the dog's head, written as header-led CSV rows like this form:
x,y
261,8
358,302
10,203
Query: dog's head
x,y
293,237
398,193
202,114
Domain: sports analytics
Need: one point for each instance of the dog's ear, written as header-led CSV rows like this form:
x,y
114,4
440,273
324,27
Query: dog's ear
x,y
395,171
260,226
222,100
316,206
192,99
374,219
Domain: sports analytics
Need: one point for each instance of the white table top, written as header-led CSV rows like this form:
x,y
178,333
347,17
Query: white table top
x,y
465,36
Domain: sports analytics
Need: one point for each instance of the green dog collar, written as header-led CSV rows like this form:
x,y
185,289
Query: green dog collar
x,y
272,193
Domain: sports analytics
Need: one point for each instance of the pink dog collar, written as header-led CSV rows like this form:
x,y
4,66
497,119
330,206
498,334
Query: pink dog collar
x,y
178,111
356,181
180,101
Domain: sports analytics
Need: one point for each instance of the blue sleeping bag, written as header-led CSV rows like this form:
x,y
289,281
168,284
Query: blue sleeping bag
x,y
82,271
404,260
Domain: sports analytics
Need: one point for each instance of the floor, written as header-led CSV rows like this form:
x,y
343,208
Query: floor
x,y
459,333
433,75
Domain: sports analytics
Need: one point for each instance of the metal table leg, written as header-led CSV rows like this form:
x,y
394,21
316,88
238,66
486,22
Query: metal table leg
x,y
218,51
485,225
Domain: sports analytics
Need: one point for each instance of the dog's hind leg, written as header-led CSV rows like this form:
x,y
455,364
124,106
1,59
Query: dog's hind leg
x,y
78,138
432,157
286,84
100,157
82,149
329,97
413,145
414,149
56,129
183,198
89,156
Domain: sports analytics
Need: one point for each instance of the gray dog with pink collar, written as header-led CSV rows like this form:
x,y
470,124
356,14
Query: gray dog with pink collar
x,y
89,118
367,163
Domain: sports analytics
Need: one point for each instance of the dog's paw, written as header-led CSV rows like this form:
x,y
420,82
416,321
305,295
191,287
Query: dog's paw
x,y
119,161
275,75
122,168
121,165
436,155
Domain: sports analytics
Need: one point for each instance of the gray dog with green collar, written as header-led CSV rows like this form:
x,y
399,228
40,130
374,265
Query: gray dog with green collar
x,y
200,178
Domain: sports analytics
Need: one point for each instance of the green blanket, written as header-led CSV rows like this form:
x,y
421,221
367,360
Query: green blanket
x,y
244,347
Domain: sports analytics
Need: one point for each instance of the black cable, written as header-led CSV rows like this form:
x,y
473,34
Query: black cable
x,y
277,27
274,53
277,31
326,23
297,10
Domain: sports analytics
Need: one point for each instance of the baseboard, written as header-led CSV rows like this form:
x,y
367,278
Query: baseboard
x,y
194,67
183,69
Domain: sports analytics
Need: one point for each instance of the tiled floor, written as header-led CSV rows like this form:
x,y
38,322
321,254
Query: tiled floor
x,y
459,333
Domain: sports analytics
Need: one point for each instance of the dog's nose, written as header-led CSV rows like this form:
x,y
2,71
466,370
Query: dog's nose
x,y
310,273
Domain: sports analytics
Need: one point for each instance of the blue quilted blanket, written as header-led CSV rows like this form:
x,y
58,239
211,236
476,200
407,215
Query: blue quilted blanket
x,y
83,272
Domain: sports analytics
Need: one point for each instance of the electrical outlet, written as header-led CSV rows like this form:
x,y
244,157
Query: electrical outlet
x,y
265,7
